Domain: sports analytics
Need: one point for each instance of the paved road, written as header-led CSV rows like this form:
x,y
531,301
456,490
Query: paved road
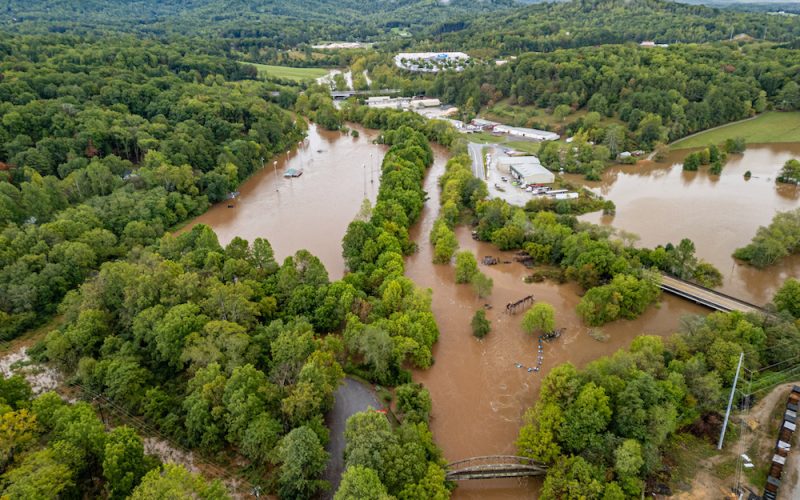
x,y
721,302
476,153
351,397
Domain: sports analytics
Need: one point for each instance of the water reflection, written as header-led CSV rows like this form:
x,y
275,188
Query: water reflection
x,y
311,211
479,395
662,203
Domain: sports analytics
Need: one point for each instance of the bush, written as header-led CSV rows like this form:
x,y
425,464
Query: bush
x,y
466,267
480,325
482,284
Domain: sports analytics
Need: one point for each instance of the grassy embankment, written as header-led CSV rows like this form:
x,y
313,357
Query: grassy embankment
x,y
768,127
288,73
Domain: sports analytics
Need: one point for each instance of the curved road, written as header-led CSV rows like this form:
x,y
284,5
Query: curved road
x,y
351,397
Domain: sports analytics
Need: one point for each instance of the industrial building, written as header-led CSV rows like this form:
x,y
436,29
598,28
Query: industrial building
x,y
525,169
529,133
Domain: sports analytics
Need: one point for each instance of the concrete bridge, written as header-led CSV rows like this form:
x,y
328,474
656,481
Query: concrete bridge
x,y
706,296
493,467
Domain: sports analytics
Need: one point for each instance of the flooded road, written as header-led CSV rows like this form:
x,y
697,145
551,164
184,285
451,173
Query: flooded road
x,y
311,211
662,203
479,395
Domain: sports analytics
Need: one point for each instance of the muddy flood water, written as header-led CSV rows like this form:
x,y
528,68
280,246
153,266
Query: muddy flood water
x,y
479,395
311,211
662,203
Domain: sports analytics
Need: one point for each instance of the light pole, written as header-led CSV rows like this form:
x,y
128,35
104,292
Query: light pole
x,y
371,170
275,168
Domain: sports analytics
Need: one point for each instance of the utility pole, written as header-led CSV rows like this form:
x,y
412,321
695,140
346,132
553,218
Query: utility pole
x,y
730,402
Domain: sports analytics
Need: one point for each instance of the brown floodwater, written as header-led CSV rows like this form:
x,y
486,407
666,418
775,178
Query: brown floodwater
x,y
311,211
479,395
662,203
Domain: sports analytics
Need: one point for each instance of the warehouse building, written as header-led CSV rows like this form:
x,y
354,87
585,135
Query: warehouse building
x,y
525,169
529,133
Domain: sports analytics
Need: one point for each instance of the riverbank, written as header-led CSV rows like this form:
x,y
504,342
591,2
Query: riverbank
x,y
479,394
766,128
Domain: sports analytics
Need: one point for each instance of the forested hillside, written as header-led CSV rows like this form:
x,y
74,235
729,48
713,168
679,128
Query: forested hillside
x,y
271,22
659,94
104,146
548,26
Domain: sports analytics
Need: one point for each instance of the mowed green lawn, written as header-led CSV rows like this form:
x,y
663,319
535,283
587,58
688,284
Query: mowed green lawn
x,y
769,127
287,73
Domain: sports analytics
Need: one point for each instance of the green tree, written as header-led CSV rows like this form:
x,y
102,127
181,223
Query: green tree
x,y
482,284
572,477
302,460
539,317
788,297
42,474
480,325
561,111
466,266
585,419
124,463
174,481
359,483
413,402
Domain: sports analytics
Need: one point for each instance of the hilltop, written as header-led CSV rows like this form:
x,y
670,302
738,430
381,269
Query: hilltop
x,y
548,26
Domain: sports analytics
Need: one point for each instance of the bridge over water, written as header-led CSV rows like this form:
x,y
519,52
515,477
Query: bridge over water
x,y
493,467
706,296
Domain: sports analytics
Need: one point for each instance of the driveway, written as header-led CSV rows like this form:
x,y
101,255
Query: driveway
x,y
351,397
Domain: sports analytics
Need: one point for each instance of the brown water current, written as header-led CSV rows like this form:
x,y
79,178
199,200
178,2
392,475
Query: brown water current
x,y
311,211
479,395
662,203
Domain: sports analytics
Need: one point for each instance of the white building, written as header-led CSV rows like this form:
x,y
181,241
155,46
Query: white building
x,y
526,169
530,133
430,62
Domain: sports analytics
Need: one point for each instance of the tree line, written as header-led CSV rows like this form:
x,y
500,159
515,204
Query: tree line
x,y
548,26
655,94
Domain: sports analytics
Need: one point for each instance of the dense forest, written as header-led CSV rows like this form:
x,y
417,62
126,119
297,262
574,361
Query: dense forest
x,y
264,23
52,449
105,146
547,26
603,429
658,94
227,351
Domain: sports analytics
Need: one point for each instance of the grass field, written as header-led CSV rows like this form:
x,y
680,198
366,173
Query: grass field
x,y
287,73
769,127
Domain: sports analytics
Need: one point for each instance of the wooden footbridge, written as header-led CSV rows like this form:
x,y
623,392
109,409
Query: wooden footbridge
x,y
493,467
706,296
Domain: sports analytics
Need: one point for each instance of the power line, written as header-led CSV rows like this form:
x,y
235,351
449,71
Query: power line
x,y
142,425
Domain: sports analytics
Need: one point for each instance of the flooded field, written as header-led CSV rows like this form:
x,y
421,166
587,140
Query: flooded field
x,y
662,203
479,395
311,211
